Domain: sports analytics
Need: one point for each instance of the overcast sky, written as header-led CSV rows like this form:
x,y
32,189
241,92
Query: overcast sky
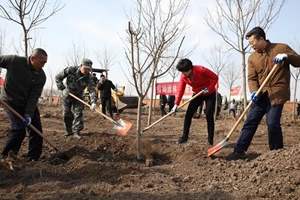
x,y
94,24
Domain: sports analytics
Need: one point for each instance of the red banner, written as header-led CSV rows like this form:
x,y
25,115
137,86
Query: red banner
x,y
235,91
170,88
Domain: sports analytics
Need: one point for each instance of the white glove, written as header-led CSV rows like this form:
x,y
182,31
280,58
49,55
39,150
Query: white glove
x,y
204,90
174,109
93,106
280,57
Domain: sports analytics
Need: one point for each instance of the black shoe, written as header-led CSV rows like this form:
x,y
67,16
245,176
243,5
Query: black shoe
x,y
236,156
68,134
77,135
210,143
182,140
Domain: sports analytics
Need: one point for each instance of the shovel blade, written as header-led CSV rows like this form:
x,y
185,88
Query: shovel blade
x,y
124,128
217,147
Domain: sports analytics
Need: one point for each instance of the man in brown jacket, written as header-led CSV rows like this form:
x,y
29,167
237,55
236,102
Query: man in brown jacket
x,y
273,96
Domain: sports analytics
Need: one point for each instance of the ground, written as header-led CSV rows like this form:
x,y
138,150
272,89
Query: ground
x,y
103,164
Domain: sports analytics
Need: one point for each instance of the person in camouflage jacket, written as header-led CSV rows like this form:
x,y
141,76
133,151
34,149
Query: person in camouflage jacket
x,y
77,79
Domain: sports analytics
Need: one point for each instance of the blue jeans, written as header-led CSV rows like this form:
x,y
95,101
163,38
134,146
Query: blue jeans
x,y
256,113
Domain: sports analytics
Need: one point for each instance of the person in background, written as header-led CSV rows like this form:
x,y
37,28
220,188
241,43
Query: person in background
x,y
233,108
106,86
170,101
95,79
202,80
23,86
219,105
274,94
163,102
77,79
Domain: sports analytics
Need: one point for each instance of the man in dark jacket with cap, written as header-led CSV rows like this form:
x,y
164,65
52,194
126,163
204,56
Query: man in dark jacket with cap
x,y
78,78
24,83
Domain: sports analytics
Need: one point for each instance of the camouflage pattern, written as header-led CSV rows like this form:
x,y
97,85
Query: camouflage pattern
x,y
76,82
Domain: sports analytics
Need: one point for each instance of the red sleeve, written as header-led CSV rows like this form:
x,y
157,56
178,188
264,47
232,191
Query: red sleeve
x,y
213,80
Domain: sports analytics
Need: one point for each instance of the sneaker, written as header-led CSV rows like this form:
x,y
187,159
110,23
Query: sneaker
x,y
236,156
182,140
77,135
68,134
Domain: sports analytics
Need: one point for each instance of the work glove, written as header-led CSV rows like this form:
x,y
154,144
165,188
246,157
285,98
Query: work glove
x,y
174,109
204,90
280,57
93,106
65,93
27,121
254,98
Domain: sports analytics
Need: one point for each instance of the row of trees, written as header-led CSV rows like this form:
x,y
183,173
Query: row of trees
x,y
155,38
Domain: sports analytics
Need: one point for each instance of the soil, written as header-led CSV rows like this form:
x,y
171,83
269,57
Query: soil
x,y
103,164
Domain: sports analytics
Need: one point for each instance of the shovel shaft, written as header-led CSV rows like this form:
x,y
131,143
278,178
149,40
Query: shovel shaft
x,y
180,106
31,126
85,103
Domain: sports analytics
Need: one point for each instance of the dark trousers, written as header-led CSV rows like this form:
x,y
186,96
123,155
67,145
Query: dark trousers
x,y
106,103
162,109
233,112
17,134
256,113
210,102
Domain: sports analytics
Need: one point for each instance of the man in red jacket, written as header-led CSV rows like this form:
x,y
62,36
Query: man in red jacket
x,y
202,80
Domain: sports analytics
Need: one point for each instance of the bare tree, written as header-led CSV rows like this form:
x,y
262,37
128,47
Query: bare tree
x,y
236,17
152,34
75,55
230,76
29,14
106,58
295,73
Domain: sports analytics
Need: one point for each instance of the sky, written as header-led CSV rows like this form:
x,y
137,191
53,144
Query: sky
x,y
96,24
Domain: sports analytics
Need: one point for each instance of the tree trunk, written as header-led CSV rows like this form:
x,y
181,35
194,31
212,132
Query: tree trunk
x,y
244,82
151,104
294,99
138,132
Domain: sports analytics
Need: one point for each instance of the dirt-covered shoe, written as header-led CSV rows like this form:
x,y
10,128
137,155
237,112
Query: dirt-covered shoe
x,y
236,156
77,135
182,140
68,134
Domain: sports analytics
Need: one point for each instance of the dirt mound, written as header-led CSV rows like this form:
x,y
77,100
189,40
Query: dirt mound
x,y
103,164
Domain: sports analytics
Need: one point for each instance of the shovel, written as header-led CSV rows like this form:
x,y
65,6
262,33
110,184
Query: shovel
x,y
223,143
61,153
180,106
121,126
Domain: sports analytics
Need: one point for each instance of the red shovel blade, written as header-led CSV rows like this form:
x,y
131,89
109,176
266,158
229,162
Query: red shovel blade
x,y
124,128
217,147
